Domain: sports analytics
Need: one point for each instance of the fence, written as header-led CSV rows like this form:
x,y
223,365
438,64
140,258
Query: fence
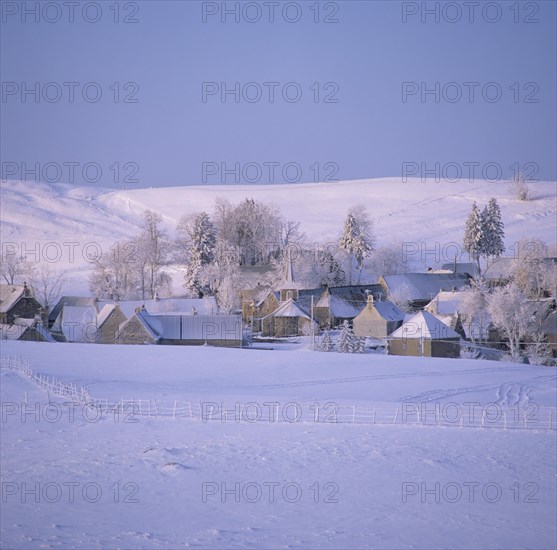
x,y
411,414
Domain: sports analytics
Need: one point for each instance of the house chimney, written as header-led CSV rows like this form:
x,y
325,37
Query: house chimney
x,y
26,291
369,298
193,311
156,296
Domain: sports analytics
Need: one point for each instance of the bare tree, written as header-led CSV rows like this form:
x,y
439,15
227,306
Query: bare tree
x,y
529,271
14,269
47,285
510,315
152,252
519,188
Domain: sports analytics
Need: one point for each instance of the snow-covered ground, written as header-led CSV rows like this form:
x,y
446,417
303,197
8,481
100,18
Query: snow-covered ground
x,y
162,482
429,216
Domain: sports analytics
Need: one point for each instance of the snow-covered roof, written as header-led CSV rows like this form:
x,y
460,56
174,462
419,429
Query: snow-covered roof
x,y
9,295
348,301
151,326
288,308
195,327
445,303
45,334
16,331
289,283
11,332
69,301
424,286
104,314
424,325
181,306
499,268
77,323
462,267
388,311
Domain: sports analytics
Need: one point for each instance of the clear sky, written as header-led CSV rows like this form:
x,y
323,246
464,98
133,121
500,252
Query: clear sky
x,y
172,135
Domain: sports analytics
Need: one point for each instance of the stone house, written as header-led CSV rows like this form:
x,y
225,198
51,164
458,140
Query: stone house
x,y
17,301
378,319
344,303
423,335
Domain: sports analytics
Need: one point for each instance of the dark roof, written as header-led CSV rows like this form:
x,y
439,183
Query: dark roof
x,y
357,292
304,298
346,302
549,325
424,286
69,301
462,267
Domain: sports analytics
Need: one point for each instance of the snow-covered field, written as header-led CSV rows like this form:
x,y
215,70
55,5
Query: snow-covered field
x,y
428,215
164,482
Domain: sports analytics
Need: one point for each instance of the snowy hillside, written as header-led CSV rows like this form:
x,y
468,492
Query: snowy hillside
x,y
161,482
413,211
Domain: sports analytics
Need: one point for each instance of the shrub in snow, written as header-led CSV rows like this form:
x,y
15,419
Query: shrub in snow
x,y
360,345
469,352
519,188
347,342
510,315
538,351
326,343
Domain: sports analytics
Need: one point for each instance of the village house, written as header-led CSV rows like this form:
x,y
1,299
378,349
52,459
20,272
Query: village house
x,y
76,301
17,301
471,268
549,331
87,319
446,307
418,289
29,330
258,303
288,319
498,271
344,303
423,335
292,317
76,324
176,329
109,319
378,319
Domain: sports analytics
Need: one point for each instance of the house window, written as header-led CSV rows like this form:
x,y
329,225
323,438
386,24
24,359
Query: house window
x,y
289,295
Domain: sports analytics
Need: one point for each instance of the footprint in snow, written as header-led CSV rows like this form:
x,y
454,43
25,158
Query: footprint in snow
x,y
175,467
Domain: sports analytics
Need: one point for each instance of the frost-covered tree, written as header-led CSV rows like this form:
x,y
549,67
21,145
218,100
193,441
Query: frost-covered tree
x,y
114,275
326,343
256,231
388,260
197,235
313,268
360,345
519,188
401,297
357,237
493,232
346,340
47,286
538,351
529,271
510,315
13,268
474,235
152,252
473,309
